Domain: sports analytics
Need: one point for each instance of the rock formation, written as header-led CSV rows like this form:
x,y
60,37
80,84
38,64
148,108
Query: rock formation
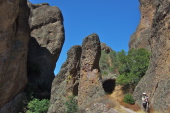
x,y
156,20
90,87
140,39
14,36
78,76
65,83
47,38
105,48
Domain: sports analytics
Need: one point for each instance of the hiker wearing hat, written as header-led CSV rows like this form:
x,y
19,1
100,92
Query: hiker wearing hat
x,y
145,101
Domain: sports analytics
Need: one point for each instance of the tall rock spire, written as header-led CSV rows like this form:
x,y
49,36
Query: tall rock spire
x,y
90,86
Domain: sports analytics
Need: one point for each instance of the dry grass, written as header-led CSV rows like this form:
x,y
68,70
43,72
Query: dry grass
x,y
115,100
105,100
117,95
134,107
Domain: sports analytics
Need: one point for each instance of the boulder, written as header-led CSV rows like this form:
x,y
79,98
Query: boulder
x,y
14,36
47,38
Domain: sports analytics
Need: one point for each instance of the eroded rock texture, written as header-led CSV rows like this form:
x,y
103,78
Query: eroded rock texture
x,y
78,76
14,36
47,38
105,48
156,82
66,82
140,39
90,87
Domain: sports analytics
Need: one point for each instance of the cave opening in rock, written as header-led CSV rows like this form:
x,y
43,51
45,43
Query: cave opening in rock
x,y
75,89
109,85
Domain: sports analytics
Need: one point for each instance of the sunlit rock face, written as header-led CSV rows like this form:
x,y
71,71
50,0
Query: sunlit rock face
x,y
155,18
90,86
14,36
79,76
47,38
140,39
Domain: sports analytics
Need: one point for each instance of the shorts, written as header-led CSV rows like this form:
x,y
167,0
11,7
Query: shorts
x,y
144,105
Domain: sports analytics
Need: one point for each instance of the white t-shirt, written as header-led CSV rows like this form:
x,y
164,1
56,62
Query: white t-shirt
x,y
144,99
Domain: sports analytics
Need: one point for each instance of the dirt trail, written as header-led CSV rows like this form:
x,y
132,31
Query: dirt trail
x,y
117,96
128,110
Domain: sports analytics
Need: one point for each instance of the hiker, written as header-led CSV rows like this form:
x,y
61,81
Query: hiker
x,y
145,101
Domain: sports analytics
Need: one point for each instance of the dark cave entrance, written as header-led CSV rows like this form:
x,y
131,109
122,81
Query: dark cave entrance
x,y
109,85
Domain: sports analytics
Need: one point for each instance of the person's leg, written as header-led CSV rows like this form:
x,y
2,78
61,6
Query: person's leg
x,y
144,106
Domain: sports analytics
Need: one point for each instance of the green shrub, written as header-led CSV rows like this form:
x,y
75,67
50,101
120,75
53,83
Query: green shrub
x,y
71,105
38,106
133,67
128,99
105,73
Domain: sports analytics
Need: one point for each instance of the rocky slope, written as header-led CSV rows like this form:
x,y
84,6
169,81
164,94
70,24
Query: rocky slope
x,y
78,76
14,36
47,38
155,19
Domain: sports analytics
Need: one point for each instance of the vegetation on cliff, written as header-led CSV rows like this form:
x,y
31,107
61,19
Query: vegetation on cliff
x,y
129,67
133,67
71,105
38,106
110,62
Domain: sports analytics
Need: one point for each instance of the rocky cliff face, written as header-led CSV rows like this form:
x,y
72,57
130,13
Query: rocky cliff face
x,y
47,38
140,39
78,76
156,82
14,36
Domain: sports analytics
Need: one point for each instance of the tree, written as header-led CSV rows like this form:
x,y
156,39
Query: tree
x,y
133,67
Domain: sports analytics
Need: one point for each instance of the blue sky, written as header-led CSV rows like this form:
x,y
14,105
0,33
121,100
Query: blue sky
x,y
113,20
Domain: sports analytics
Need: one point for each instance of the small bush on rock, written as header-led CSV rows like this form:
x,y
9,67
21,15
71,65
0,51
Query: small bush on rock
x,y
128,99
38,106
71,105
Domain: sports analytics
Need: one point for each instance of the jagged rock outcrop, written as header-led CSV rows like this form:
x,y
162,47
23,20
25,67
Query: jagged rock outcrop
x,y
90,86
78,76
47,38
105,48
156,82
66,82
140,39
14,36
